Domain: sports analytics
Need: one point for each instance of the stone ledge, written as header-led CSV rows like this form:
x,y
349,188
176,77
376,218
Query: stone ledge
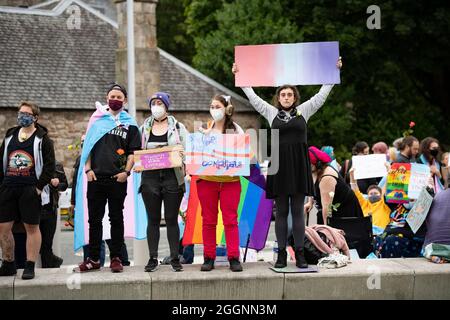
x,y
363,279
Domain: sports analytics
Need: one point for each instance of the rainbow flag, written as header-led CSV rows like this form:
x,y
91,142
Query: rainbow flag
x,y
254,214
135,217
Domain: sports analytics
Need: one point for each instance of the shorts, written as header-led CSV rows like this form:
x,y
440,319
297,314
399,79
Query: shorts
x,y
20,204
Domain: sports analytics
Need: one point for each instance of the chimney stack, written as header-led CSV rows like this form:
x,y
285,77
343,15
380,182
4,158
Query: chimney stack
x,y
146,49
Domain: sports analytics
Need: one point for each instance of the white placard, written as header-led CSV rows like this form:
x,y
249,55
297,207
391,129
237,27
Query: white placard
x,y
369,166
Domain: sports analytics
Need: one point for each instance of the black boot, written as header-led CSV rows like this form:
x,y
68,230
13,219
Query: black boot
x,y
28,272
300,260
281,259
8,268
49,260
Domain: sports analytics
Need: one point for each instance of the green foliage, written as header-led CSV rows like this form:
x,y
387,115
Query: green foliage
x,y
390,77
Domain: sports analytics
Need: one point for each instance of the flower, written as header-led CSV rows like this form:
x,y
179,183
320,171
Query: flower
x,y
120,152
409,131
331,194
122,161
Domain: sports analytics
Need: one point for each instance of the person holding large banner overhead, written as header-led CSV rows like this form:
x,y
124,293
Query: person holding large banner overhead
x,y
166,184
293,181
224,189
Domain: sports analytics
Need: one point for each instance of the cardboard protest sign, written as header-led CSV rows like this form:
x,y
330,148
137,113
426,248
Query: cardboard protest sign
x,y
272,65
218,154
369,166
158,158
405,181
419,211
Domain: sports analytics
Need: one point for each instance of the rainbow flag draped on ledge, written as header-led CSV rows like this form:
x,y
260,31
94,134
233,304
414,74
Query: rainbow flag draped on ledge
x,y
135,218
254,214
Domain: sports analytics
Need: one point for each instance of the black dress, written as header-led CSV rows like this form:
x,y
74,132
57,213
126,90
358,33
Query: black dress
x,y
343,194
294,171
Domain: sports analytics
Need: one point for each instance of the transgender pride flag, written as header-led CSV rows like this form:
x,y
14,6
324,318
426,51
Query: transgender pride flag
x,y
273,65
135,218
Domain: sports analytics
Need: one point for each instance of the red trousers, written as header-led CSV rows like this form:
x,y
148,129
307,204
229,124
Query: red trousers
x,y
209,194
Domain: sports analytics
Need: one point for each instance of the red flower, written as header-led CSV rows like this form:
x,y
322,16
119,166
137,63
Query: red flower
x,y
120,152
412,124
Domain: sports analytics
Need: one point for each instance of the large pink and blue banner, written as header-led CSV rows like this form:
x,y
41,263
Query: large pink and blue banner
x,y
273,65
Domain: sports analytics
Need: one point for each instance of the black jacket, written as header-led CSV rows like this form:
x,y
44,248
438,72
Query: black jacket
x,y
46,153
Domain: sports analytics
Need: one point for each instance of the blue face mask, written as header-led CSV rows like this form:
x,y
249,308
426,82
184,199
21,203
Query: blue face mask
x,y
25,120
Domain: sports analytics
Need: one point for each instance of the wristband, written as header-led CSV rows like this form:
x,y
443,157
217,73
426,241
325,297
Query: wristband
x,y
127,172
87,171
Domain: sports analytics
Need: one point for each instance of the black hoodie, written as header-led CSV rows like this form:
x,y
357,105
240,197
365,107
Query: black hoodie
x,y
46,152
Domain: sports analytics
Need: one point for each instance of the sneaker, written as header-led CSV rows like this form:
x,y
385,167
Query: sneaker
x,y
281,259
28,271
235,265
116,265
8,269
88,265
176,265
300,260
208,265
152,265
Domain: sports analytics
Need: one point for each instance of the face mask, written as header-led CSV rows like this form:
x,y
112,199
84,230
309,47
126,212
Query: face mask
x,y
115,104
158,111
25,120
374,198
434,152
217,114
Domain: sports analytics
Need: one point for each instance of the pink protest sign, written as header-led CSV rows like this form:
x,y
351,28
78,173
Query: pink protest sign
x,y
218,154
273,65
160,158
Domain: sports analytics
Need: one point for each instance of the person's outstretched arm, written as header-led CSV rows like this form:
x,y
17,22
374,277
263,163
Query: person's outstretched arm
x,y
265,109
311,106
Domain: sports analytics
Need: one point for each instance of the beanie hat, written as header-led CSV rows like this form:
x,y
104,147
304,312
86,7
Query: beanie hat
x,y
316,155
163,96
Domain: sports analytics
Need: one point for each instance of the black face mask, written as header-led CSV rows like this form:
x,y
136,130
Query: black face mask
x,y
434,152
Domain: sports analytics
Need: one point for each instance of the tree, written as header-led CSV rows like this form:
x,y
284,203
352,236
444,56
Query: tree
x,y
391,76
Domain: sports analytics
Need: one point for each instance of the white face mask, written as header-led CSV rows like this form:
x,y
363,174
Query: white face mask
x,y
217,114
158,111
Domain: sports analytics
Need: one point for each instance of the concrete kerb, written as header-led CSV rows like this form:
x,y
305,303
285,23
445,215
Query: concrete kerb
x,y
6,288
63,284
256,282
431,280
362,279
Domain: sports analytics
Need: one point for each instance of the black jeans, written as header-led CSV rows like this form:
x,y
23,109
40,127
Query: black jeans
x,y
47,226
99,193
158,186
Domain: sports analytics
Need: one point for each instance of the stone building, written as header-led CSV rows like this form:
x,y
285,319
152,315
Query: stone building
x,y
63,54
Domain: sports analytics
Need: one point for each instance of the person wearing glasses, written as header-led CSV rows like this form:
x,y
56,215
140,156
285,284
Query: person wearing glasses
x,y
27,159
293,181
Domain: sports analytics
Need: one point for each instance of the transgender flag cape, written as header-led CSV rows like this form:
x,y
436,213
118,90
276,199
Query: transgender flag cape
x,y
135,218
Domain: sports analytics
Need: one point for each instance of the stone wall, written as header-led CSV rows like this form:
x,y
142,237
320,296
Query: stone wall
x,y
66,127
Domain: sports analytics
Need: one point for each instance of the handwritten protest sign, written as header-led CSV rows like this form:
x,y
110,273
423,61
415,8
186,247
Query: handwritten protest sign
x,y
419,211
273,65
405,181
218,154
158,158
369,166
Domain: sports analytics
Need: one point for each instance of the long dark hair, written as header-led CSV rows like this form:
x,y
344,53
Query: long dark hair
x,y
228,125
276,101
425,147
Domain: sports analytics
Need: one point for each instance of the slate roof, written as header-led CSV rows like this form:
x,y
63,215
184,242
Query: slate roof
x,y
41,59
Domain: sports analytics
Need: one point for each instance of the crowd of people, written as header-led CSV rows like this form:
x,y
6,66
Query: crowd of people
x,y
356,209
